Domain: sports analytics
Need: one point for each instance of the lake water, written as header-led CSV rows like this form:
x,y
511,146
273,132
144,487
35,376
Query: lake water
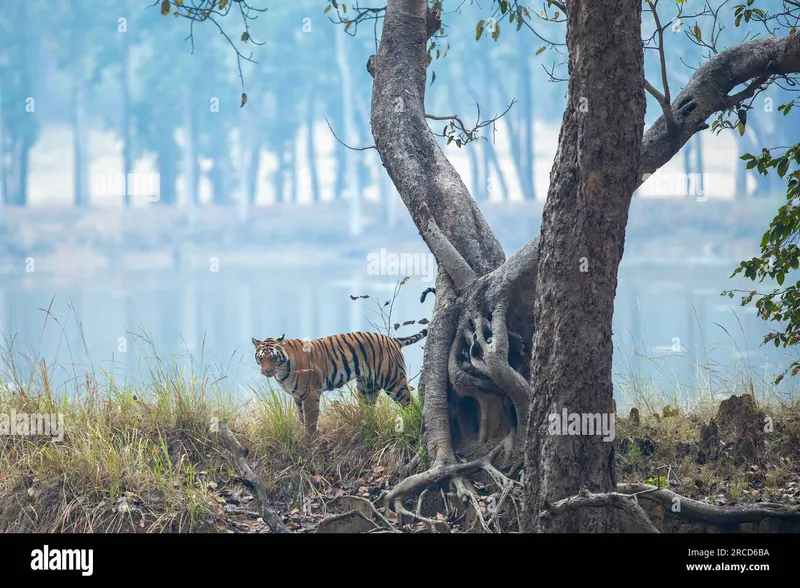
x,y
672,329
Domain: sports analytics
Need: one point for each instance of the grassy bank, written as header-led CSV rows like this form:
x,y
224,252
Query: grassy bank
x,y
150,459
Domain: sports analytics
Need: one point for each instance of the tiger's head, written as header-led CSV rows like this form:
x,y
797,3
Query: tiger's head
x,y
270,355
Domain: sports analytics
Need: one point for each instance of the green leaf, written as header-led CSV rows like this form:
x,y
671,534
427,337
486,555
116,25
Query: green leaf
x,y
698,33
540,49
496,32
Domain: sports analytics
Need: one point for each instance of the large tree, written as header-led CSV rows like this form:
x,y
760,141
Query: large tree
x,y
514,341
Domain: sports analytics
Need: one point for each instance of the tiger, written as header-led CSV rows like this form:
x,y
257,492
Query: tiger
x,y
306,368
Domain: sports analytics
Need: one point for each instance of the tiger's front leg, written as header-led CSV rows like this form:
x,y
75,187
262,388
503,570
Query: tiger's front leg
x,y
311,412
299,405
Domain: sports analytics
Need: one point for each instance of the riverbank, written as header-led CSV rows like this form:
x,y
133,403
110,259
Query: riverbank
x,y
151,460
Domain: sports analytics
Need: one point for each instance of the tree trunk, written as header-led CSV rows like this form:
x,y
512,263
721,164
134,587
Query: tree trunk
x,y
166,161
480,353
311,147
350,135
582,240
190,167
127,158
2,145
253,172
79,168
740,171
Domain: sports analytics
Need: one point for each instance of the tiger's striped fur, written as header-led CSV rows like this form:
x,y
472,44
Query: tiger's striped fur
x,y
305,369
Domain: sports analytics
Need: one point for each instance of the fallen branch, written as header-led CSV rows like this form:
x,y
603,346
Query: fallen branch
x,y
709,513
249,479
585,499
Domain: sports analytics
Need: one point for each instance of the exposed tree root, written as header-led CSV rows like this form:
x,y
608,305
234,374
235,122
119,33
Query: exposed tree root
x,y
627,495
709,513
585,499
433,526
250,480
464,489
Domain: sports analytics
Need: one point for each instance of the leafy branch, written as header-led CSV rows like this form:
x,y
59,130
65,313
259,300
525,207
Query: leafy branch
x,y
780,255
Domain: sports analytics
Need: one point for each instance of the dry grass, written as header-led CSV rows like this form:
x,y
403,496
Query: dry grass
x,y
149,459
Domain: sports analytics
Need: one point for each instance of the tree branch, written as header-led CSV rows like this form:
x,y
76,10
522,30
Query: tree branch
x,y
707,92
408,149
444,252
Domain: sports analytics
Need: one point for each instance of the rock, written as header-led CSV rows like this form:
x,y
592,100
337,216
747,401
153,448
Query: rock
x,y
634,417
741,427
709,443
349,522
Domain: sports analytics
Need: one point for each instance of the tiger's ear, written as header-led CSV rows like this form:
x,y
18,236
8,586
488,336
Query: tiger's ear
x,y
256,342
281,337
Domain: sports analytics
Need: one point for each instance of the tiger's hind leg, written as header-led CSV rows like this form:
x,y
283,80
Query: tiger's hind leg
x,y
399,391
367,392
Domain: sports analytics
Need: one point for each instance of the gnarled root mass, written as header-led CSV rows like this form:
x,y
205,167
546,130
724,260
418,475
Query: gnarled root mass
x,y
456,474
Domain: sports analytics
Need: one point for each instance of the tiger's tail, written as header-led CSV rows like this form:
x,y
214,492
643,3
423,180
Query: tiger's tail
x,y
404,341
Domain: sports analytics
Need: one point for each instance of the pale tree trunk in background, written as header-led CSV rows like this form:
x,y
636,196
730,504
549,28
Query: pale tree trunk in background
x,y
295,171
311,146
2,144
189,159
79,146
699,181
740,182
243,167
349,136
687,160
528,119
127,159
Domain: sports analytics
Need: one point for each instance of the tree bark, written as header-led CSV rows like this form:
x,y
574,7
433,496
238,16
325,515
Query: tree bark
x,y
582,239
